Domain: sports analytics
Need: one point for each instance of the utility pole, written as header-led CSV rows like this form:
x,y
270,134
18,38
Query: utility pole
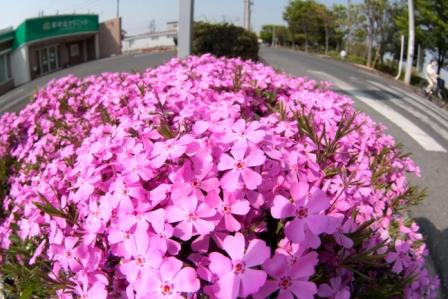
x,y
247,4
273,36
118,8
185,31
410,56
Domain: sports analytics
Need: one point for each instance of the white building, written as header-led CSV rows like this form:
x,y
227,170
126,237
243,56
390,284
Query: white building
x,y
149,40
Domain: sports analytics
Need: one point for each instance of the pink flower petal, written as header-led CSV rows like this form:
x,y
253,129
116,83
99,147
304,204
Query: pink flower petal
x,y
169,268
255,158
228,287
186,281
256,136
240,207
251,178
299,191
174,214
200,127
184,230
230,180
251,281
211,184
304,289
282,208
219,264
203,227
295,230
304,267
317,224
230,223
318,202
226,162
234,246
256,253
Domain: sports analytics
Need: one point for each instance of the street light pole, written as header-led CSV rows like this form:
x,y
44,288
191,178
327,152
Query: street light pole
x,y
118,8
185,31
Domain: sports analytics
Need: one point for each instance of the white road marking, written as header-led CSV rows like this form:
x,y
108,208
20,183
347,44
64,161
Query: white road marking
x,y
422,138
437,113
409,107
425,102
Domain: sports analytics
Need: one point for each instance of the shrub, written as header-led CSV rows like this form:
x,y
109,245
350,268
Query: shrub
x,y
224,40
207,176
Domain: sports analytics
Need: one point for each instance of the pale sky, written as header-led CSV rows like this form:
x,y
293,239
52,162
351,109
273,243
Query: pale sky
x,y
137,14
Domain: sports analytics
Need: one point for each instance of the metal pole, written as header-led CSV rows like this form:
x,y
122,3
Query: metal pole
x,y
118,8
185,32
410,56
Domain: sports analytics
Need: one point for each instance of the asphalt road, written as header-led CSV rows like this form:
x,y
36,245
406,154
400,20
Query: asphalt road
x,y
17,98
418,124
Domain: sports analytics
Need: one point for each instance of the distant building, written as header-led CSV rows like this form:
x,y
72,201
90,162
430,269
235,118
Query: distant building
x,y
6,40
151,39
45,44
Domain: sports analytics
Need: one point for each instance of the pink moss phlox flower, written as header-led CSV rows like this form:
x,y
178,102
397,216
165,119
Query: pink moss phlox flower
x,y
400,257
237,276
85,289
241,165
169,149
228,208
167,183
170,280
68,254
191,216
289,279
137,167
334,289
306,207
240,135
194,180
144,256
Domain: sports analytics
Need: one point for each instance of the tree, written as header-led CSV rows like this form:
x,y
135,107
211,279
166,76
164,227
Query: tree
x,y
282,35
303,20
433,22
340,25
266,34
328,22
375,13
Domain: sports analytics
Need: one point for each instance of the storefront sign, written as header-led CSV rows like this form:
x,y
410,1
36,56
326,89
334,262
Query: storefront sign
x,y
53,26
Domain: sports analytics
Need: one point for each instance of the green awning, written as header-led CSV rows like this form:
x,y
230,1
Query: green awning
x,y
54,26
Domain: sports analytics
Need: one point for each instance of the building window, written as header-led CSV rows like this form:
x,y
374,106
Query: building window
x,y
8,66
4,68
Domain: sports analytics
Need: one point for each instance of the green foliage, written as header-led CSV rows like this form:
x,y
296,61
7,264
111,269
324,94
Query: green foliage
x,y
24,280
312,20
266,34
8,165
224,40
281,34
433,19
